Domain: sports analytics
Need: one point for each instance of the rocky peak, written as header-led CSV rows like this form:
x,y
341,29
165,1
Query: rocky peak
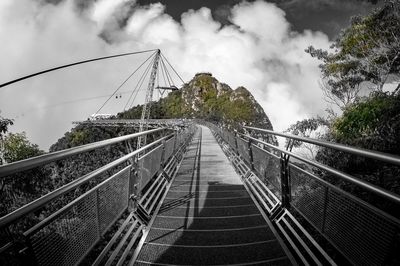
x,y
206,98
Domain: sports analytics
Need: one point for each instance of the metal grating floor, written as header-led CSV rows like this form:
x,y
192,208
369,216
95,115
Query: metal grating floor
x,y
208,217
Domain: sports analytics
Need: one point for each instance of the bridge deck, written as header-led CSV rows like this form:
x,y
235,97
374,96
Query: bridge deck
x,y
208,217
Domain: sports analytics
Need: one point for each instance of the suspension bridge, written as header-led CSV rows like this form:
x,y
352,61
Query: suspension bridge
x,y
194,193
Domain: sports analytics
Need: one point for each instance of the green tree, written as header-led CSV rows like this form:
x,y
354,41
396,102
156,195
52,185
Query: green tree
x,y
17,147
367,52
312,127
19,189
4,124
373,123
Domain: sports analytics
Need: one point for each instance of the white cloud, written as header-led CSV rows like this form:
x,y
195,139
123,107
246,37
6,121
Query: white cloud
x,y
142,17
104,9
259,52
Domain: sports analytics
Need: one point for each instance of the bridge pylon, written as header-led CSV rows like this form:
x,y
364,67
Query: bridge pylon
x,y
147,104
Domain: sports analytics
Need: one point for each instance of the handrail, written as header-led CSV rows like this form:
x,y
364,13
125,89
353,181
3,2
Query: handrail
x,y
30,163
389,158
366,185
36,204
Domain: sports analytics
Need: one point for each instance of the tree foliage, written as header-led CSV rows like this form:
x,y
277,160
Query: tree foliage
x,y
17,147
4,124
21,188
366,55
205,98
312,127
373,123
368,52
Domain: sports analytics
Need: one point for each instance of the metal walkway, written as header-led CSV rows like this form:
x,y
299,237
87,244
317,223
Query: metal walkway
x,y
208,217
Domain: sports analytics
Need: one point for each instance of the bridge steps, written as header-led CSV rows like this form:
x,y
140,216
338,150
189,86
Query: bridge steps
x,y
208,217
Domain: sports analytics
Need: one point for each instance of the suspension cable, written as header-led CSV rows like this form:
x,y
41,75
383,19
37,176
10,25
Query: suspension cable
x,y
123,83
139,82
162,55
70,65
169,78
162,72
170,82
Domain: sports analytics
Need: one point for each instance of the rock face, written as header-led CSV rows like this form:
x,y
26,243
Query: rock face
x,y
204,97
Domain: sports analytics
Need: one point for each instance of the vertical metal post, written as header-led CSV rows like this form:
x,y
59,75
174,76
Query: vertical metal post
x,y
28,254
134,184
250,154
237,146
162,161
285,183
174,137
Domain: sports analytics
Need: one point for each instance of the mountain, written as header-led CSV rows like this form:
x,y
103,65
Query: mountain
x,y
204,97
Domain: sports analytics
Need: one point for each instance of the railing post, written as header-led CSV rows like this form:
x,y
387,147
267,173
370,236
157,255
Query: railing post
x,y
237,146
250,155
28,254
175,140
285,183
162,161
235,149
134,183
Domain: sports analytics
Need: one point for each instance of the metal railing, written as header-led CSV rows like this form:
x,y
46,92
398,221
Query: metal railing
x,y
134,122
30,163
362,233
67,235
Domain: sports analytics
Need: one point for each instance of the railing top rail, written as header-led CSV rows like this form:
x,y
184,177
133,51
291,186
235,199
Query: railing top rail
x,y
38,203
366,185
389,158
126,120
30,163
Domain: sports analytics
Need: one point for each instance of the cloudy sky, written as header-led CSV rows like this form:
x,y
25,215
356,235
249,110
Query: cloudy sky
x,y
256,44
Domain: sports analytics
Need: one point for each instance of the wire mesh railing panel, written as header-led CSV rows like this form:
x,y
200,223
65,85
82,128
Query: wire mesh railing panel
x,y
5,236
308,196
149,165
225,136
231,140
259,161
268,166
243,148
112,198
362,233
178,141
364,236
68,237
169,148
181,137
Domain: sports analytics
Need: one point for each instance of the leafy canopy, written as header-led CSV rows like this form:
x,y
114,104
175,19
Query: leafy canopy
x,y
4,124
376,119
17,147
367,51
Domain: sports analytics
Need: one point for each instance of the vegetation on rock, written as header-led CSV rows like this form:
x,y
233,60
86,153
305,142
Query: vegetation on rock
x,y
204,97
